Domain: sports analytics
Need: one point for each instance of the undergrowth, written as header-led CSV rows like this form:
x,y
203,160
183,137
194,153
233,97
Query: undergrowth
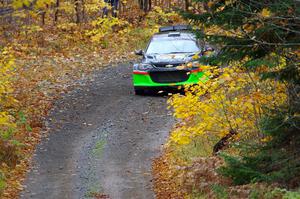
x,y
250,103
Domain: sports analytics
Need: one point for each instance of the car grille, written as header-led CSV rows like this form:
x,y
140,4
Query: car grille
x,y
164,65
169,76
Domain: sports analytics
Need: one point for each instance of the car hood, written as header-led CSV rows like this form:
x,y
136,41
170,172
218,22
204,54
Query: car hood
x,y
169,58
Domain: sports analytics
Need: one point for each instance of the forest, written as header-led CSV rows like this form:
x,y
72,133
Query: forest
x,y
235,136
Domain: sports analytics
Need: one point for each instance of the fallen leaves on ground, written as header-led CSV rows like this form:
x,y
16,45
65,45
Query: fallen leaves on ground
x,y
166,179
50,60
177,180
41,79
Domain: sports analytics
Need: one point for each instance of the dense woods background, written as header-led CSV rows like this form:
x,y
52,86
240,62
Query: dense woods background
x,y
237,135
78,11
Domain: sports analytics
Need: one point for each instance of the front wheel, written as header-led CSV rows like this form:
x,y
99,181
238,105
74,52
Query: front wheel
x,y
138,91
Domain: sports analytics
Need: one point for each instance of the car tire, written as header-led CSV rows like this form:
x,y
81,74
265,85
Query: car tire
x,y
139,91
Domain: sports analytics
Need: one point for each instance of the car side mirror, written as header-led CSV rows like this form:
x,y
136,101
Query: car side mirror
x,y
139,52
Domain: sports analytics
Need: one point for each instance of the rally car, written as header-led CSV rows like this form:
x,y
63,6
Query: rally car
x,y
165,60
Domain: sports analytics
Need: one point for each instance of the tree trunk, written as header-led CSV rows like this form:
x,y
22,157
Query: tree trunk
x,y
146,4
114,5
56,11
43,15
83,10
77,11
141,3
150,5
223,142
187,5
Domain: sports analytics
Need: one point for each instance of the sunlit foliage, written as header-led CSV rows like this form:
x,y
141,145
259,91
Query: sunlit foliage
x,y
104,27
233,100
6,99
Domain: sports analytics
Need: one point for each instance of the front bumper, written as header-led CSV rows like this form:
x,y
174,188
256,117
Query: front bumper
x,y
143,79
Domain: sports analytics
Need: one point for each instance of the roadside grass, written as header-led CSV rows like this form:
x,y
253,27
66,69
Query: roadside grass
x,y
220,191
170,169
199,147
271,193
94,188
94,191
2,183
98,149
197,195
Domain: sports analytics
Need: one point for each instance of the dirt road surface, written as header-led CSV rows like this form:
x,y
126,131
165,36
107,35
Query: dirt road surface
x,y
101,142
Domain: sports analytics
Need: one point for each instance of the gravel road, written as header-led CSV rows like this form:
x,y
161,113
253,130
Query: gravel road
x,y
101,142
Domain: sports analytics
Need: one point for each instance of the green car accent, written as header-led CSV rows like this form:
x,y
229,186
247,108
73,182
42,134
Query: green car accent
x,y
144,80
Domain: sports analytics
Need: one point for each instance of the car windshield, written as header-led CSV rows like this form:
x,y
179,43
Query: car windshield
x,y
172,46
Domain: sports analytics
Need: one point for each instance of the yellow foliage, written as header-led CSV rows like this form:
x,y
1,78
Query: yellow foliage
x,y
67,7
37,4
216,30
265,13
195,57
6,74
210,4
93,6
228,2
159,17
20,3
67,26
42,4
234,100
105,26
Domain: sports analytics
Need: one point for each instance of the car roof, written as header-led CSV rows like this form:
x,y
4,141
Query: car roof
x,y
168,35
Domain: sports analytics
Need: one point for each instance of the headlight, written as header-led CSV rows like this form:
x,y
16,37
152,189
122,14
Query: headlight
x,y
144,67
193,64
